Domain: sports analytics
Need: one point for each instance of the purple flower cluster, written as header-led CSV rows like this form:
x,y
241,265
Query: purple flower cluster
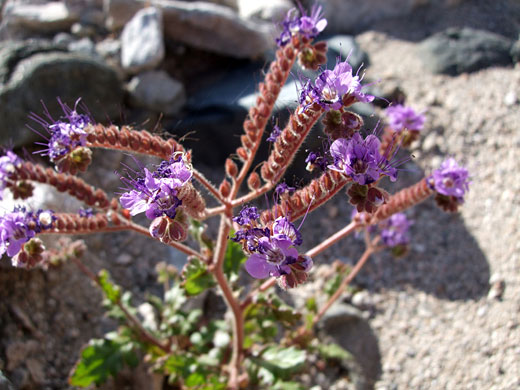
x,y
403,117
65,134
8,164
395,230
450,179
360,159
308,26
155,194
19,226
333,88
271,249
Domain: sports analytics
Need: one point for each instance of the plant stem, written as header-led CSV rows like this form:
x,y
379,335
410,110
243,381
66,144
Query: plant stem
x,y
210,187
332,239
359,265
231,302
143,333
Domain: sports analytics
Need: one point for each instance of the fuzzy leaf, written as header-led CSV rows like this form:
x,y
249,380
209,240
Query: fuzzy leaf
x,y
112,291
333,351
196,277
100,359
281,362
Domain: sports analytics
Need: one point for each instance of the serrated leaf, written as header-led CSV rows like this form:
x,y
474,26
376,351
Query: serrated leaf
x,y
333,351
101,359
233,259
112,291
196,277
286,315
281,362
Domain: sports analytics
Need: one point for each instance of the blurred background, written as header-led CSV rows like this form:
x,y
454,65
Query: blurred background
x,y
445,317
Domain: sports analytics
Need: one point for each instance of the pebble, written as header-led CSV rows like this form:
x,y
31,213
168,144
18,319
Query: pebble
x,y
142,43
510,99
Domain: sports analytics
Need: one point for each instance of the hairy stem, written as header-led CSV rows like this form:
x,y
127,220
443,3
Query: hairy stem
x,y
341,289
231,302
332,239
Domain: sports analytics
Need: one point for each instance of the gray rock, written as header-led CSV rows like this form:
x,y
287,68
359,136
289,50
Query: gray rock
x,y
268,10
215,28
347,16
119,12
46,76
157,91
5,384
347,327
63,39
109,48
458,50
142,43
46,17
346,46
83,46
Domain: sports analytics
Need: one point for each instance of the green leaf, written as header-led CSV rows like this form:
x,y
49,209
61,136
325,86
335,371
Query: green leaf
x,y
280,362
233,259
112,291
179,364
196,277
311,305
333,351
280,385
100,359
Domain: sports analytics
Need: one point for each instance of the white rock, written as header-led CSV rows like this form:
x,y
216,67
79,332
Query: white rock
x,y
142,44
109,48
51,16
157,91
269,10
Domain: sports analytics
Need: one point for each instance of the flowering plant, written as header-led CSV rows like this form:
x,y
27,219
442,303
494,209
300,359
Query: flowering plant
x,y
250,350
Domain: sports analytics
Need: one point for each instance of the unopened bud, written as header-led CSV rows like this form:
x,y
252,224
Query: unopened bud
x,y
22,189
253,181
231,168
242,153
225,188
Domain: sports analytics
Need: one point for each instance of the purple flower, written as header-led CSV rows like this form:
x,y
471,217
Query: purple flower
x,y
395,230
316,160
450,179
65,134
274,134
283,188
332,86
360,159
402,117
155,194
272,249
86,212
247,215
8,164
284,229
273,258
307,26
19,226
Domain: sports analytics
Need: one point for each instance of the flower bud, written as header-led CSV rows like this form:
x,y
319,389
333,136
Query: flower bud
x,y
225,188
30,255
231,168
22,189
253,181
